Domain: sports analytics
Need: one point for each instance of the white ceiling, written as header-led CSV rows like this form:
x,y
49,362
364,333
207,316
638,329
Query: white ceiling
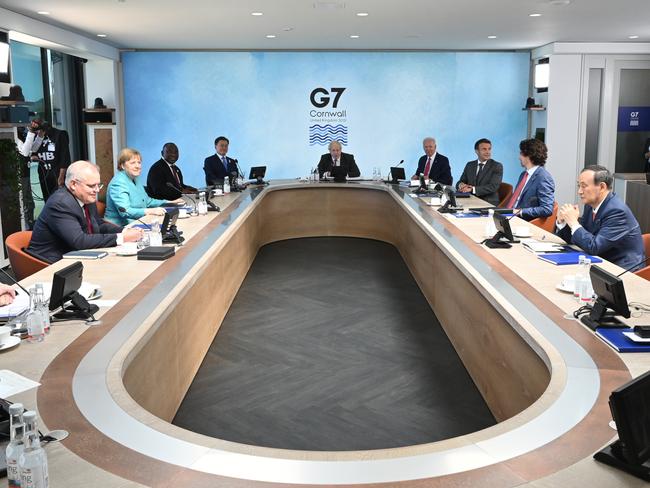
x,y
328,24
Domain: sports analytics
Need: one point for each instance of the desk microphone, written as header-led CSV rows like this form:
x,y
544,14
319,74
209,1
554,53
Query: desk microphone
x,y
123,210
631,268
171,185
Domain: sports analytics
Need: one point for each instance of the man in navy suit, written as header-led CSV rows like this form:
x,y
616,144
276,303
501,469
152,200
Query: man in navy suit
x,y
434,166
607,227
482,176
534,194
646,154
70,222
219,166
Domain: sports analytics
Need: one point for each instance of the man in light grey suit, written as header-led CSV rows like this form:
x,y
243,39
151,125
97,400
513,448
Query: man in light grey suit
x,y
482,176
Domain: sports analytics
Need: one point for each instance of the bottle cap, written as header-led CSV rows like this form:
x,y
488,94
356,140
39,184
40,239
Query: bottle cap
x,y
16,409
29,416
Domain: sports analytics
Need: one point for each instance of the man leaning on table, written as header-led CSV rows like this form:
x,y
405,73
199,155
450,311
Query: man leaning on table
x,y
607,227
70,222
482,176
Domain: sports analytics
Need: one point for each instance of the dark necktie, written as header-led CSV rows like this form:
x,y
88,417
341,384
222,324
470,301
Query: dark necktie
x,y
225,162
89,223
480,170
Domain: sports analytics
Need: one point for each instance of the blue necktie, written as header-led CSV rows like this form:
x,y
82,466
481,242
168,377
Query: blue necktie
x,y
225,162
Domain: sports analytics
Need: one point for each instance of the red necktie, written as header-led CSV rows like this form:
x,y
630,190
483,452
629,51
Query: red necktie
x,y
178,180
88,221
427,168
515,196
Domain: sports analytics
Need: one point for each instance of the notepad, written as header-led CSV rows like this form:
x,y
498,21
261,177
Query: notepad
x,y
85,255
563,258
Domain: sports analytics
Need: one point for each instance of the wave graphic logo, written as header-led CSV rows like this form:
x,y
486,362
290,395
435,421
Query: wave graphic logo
x,y
322,135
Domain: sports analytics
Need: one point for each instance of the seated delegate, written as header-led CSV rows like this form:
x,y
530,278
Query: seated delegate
x,y
534,194
482,176
219,166
607,227
337,158
165,172
126,198
433,165
70,222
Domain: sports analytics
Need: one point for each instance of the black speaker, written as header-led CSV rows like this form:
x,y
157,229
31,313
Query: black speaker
x,y
98,117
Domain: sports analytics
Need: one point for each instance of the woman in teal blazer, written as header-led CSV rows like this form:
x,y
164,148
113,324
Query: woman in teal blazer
x,y
126,198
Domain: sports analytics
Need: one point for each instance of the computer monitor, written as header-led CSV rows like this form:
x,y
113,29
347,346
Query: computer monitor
x,y
397,174
610,291
339,173
502,223
65,284
257,173
630,407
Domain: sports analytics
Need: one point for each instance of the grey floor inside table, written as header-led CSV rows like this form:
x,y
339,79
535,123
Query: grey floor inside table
x,y
330,345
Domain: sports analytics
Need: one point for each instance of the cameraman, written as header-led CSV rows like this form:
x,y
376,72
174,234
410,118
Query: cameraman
x,y
49,148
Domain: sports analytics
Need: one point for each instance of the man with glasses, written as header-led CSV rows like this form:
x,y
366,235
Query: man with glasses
x,y
70,222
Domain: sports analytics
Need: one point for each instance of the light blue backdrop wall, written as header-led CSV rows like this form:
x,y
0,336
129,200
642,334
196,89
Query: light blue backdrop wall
x,y
261,102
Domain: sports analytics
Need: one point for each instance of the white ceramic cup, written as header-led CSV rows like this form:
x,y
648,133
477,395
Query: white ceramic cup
x,y
569,282
5,334
130,247
217,192
522,231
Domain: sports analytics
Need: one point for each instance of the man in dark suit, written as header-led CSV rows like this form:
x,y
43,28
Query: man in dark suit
x,y
434,166
607,227
165,172
218,166
336,158
69,220
482,176
534,194
646,155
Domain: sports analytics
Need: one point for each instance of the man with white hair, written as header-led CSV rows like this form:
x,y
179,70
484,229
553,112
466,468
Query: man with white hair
x,y
337,158
433,165
70,222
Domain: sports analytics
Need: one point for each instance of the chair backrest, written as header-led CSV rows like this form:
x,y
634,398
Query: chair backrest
x,y
504,192
101,208
22,264
547,223
644,272
646,244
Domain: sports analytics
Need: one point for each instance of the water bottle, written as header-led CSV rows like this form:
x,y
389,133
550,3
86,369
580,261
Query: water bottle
x,y
155,237
586,289
42,307
577,289
316,175
16,444
33,461
490,228
203,206
34,319
226,185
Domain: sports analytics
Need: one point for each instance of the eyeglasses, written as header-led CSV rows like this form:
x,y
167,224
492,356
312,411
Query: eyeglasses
x,y
96,186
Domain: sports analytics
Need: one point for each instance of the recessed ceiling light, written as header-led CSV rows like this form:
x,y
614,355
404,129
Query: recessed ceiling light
x,y
632,37
560,3
101,35
257,14
492,37
43,12
270,36
362,14
354,36
287,29
534,15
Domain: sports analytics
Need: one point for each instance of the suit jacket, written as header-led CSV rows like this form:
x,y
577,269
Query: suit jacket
x,y
538,196
614,235
61,227
159,175
646,149
487,185
215,172
347,162
440,171
130,195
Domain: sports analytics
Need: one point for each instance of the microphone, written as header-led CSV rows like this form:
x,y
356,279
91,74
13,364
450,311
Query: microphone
x,y
15,282
399,163
631,268
241,174
174,187
171,185
123,210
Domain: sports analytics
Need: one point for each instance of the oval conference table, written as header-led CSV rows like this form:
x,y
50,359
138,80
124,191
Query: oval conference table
x,y
115,387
